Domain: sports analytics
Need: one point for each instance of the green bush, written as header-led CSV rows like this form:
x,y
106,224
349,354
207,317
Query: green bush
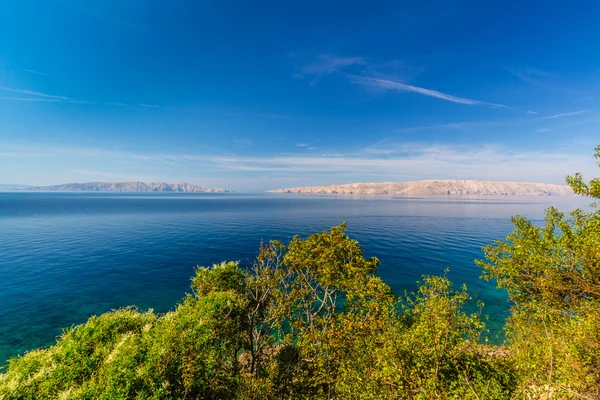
x,y
552,276
429,351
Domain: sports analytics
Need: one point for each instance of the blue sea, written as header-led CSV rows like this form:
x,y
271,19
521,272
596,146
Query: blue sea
x,y
67,256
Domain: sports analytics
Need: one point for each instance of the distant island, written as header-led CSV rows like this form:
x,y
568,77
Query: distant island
x,y
438,187
119,187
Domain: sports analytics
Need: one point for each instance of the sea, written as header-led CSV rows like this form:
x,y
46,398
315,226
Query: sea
x,y
67,256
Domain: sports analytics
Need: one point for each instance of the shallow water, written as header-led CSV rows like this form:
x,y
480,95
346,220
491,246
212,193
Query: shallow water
x,y
66,256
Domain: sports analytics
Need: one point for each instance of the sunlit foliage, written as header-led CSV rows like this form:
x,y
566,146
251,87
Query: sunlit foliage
x,y
552,275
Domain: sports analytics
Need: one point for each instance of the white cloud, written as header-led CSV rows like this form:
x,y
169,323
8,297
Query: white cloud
x,y
485,163
87,174
506,123
528,74
34,99
454,125
567,114
39,96
392,85
35,72
327,64
33,96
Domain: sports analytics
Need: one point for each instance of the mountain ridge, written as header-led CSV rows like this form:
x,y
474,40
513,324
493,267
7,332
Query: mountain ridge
x,y
126,187
437,187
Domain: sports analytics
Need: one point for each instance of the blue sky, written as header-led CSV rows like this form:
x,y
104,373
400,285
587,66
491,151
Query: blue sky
x,y
266,94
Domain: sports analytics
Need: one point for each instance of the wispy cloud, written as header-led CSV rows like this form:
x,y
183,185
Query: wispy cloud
x,y
34,96
506,123
453,125
387,146
528,74
327,64
39,96
113,175
257,115
433,162
32,99
392,85
383,161
567,114
32,93
35,72
19,154
306,146
243,143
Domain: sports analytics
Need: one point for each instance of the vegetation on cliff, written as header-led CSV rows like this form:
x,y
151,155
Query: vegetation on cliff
x,y
311,319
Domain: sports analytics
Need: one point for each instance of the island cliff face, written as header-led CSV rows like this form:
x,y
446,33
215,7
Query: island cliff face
x,y
438,187
128,187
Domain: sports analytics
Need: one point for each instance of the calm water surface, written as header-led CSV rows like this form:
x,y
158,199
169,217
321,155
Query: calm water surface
x,y
66,256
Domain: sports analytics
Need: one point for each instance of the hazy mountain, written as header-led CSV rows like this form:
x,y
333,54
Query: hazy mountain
x,y
14,187
125,187
438,187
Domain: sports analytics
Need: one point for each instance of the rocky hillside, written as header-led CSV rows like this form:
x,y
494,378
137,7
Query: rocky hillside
x,y
438,187
129,187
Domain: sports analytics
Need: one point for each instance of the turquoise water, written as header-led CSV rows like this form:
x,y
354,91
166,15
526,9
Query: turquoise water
x,y
66,256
